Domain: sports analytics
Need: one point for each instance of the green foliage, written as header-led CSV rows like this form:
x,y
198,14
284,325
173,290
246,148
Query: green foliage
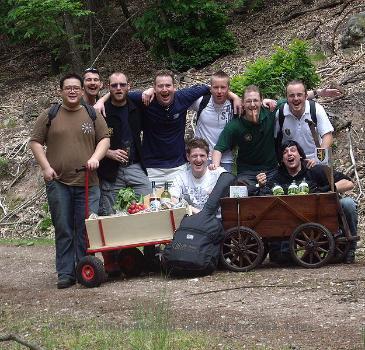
x,y
41,20
46,222
247,5
272,74
187,33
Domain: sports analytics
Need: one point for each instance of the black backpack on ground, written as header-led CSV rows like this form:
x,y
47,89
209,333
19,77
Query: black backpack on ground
x,y
56,106
195,248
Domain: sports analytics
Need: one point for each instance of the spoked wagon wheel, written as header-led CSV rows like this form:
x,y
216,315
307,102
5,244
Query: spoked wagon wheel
x,y
342,246
311,245
241,250
90,271
131,262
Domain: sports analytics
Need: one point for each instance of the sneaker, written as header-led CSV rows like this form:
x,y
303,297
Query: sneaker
x,y
63,283
350,257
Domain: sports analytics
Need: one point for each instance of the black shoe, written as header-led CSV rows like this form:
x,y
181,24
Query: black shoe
x,y
63,283
350,257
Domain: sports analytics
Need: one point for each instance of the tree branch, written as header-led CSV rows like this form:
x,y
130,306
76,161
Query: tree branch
x,y
19,340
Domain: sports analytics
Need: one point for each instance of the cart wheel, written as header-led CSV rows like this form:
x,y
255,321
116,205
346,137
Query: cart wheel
x,y
311,245
90,271
131,262
242,250
266,251
342,246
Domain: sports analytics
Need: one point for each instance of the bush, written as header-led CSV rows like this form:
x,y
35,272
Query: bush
x,y
272,74
186,34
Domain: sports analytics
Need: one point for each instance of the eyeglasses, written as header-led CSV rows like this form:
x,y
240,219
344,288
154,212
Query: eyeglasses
x,y
70,88
116,85
91,70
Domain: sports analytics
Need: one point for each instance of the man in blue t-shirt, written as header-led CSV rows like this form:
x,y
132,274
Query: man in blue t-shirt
x,y
164,119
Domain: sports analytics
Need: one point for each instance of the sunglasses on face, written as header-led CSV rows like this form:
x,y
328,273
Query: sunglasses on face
x,y
116,85
91,70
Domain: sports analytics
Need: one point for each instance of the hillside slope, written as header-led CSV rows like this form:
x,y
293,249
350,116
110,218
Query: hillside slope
x,y
27,89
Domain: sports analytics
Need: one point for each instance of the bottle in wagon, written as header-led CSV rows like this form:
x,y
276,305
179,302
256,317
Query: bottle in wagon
x,y
155,203
293,188
303,187
277,190
166,197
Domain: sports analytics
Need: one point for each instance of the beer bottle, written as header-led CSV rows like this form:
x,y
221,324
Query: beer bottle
x,y
303,187
277,190
293,188
155,203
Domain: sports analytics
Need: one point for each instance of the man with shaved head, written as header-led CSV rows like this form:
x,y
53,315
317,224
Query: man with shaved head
x,y
123,165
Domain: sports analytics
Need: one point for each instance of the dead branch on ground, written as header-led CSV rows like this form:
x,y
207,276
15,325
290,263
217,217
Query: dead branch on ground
x,y
36,196
16,338
296,14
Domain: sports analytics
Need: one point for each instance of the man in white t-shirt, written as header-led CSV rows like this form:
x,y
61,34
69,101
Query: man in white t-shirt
x,y
214,112
196,183
296,111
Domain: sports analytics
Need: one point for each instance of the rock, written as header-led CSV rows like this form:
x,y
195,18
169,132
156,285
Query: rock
x,y
354,34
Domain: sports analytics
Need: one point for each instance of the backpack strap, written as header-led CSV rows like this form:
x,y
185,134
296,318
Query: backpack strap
x,y
279,135
203,104
52,113
91,112
312,109
56,106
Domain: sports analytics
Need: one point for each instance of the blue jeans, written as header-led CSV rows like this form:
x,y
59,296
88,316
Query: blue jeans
x,y
350,210
67,208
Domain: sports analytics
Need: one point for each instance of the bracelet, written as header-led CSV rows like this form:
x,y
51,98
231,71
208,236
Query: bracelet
x,y
315,94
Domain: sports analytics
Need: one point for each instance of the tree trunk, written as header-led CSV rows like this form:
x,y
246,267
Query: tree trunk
x,y
76,61
91,40
127,14
164,21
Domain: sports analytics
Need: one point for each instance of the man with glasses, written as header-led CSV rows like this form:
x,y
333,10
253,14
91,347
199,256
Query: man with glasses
x,y
73,140
123,165
92,85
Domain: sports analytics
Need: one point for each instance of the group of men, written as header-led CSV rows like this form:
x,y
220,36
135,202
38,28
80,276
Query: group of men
x,y
77,136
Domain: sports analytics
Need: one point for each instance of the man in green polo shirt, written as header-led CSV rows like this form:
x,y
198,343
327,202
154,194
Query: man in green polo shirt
x,y
253,135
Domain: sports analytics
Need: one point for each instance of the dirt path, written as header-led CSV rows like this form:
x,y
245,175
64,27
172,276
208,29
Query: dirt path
x,y
270,307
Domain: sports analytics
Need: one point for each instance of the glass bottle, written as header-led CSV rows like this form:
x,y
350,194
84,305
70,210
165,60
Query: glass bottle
x,y
303,187
277,190
293,188
155,203
166,195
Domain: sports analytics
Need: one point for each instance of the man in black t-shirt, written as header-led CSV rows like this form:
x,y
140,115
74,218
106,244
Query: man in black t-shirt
x,y
292,167
123,164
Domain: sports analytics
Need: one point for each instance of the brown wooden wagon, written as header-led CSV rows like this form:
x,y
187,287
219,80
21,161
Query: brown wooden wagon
x,y
310,222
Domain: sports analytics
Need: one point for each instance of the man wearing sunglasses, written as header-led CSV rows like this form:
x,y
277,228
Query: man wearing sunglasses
x,y
123,165
73,140
92,85
164,122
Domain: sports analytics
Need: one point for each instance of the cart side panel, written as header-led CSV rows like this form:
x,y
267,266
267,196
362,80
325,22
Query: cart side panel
x,y
278,216
133,229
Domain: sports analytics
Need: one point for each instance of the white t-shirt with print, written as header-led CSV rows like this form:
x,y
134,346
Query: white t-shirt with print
x,y
298,129
211,122
198,189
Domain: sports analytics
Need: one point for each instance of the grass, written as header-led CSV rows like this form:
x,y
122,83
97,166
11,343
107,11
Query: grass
x,y
151,332
27,241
